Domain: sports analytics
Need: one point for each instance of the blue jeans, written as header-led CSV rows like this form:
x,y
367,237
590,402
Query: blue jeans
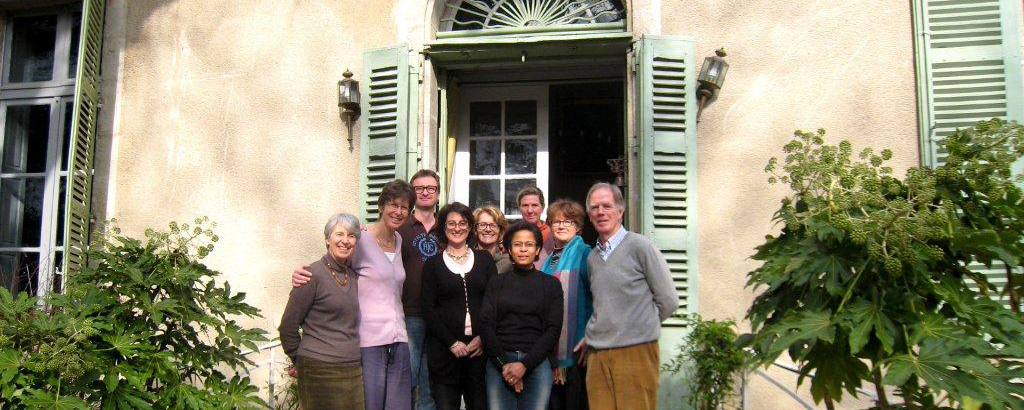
x,y
536,387
417,330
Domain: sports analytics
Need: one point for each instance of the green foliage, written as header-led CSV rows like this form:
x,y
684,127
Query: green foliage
x,y
867,281
285,395
713,360
146,326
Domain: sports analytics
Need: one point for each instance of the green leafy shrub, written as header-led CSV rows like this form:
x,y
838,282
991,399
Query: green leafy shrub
x,y
867,281
146,326
712,360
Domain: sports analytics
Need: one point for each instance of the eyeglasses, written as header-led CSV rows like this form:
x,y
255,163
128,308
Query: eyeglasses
x,y
402,208
483,226
456,224
563,224
430,189
524,244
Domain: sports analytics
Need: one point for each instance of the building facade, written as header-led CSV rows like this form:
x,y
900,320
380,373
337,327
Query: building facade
x,y
150,111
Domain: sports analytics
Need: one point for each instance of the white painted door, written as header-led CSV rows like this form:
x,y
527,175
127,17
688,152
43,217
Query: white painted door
x,y
502,145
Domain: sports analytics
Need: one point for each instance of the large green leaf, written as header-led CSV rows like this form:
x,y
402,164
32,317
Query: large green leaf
x,y
863,317
44,400
945,366
10,365
806,327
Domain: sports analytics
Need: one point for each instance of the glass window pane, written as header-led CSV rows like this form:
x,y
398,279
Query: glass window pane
x,y
19,271
25,138
21,211
483,192
512,187
76,32
521,117
484,157
59,240
485,118
66,143
520,156
32,46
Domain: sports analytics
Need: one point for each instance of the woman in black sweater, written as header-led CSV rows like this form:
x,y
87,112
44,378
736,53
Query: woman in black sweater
x,y
520,321
454,282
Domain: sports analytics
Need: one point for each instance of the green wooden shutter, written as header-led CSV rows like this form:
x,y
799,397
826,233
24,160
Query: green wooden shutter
x,y
83,137
388,123
969,69
666,111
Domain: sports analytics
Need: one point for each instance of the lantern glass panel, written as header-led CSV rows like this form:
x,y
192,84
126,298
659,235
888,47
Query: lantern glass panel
x,y
349,92
713,71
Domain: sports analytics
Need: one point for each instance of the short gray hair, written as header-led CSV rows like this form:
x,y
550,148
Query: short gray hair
x,y
348,221
616,194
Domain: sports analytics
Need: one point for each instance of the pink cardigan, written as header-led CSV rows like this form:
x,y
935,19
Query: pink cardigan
x,y
381,317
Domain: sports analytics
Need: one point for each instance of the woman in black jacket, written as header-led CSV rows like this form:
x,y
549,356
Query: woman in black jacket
x,y
453,288
520,320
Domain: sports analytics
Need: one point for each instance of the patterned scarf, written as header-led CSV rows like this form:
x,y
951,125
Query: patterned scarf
x,y
571,270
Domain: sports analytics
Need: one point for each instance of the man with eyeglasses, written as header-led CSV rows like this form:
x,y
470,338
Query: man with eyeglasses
x,y
633,293
418,244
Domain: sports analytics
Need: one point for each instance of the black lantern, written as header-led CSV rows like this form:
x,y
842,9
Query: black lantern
x,y
711,79
348,101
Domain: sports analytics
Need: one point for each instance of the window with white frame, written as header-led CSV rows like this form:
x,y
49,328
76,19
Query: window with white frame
x,y
502,145
40,54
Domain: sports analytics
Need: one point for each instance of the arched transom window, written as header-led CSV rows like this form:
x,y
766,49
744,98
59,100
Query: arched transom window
x,y
491,14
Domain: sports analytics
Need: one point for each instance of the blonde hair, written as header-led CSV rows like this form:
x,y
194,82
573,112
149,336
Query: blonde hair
x,y
568,209
494,212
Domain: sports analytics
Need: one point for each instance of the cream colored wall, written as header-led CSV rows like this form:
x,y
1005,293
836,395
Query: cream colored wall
x,y
228,109
847,67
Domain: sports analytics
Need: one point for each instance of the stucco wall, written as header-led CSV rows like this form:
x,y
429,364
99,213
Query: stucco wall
x,y
847,67
228,109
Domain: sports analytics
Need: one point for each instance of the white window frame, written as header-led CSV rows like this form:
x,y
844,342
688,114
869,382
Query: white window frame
x,y
484,93
61,55
58,93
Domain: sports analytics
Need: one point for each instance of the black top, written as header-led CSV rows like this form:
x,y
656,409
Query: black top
x,y
444,298
522,310
418,245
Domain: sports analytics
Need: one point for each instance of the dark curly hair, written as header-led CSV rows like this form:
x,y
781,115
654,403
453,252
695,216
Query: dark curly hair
x,y
522,226
442,219
396,189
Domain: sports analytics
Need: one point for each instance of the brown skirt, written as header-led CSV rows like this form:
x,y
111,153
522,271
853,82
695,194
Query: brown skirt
x,y
329,386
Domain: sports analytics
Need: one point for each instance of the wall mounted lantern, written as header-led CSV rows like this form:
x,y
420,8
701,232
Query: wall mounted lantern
x,y
711,79
348,101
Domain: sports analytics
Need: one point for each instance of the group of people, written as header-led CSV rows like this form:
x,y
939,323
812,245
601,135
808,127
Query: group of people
x,y
430,309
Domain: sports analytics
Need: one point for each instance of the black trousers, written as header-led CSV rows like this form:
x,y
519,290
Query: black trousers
x,y
470,386
573,394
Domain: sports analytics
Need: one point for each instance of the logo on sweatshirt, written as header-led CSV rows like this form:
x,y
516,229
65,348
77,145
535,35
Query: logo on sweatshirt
x,y
426,244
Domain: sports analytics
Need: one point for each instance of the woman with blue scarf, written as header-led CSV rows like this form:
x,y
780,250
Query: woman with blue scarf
x,y
568,263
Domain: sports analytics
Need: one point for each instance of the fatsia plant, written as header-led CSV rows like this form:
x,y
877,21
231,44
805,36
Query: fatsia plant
x,y
146,326
866,284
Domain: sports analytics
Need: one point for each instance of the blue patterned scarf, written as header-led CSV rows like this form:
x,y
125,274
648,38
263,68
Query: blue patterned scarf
x,y
571,271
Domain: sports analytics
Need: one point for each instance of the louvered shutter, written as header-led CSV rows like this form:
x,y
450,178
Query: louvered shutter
x,y
83,137
666,130
387,123
969,60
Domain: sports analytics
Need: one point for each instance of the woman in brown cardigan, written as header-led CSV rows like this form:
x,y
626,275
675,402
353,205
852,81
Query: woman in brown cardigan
x,y
326,355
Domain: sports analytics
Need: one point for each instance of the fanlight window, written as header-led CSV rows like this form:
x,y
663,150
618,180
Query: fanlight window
x,y
489,14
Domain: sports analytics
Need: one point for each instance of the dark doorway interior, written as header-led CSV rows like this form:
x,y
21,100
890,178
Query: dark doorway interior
x,y
586,131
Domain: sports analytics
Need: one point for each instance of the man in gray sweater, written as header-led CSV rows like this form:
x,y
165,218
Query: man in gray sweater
x,y
633,293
